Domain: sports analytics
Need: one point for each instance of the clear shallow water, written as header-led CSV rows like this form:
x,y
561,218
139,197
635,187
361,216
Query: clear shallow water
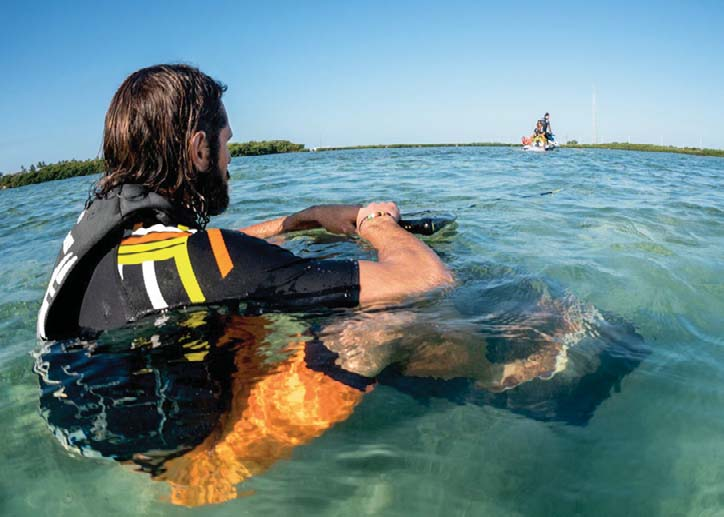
x,y
633,237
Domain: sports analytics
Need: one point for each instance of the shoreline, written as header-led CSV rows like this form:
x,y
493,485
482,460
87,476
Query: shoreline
x,y
694,151
71,168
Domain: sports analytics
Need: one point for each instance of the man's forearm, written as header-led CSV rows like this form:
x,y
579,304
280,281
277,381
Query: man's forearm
x,y
266,229
335,218
395,245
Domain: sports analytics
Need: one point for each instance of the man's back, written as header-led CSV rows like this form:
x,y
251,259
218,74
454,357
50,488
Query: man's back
x,y
159,266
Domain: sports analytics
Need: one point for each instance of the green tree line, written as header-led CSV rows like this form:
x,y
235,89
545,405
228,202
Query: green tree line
x,y
54,171
257,148
650,148
41,172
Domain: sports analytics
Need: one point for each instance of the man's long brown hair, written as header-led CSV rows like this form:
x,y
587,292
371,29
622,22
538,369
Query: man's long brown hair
x,y
148,128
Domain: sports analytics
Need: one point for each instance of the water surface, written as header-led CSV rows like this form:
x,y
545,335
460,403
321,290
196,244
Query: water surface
x,y
626,245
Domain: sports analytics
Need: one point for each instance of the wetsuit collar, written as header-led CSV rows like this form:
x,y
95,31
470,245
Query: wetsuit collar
x,y
99,228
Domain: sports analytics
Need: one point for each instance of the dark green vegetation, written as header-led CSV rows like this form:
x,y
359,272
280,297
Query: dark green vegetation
x,y
650,148
70,168
255,148
54,171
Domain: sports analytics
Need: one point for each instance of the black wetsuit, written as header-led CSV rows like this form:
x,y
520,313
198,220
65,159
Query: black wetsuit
x,y
136,279
130,255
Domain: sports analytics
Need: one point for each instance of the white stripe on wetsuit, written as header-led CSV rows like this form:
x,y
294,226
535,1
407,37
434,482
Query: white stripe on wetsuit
x,y
160,228
152,288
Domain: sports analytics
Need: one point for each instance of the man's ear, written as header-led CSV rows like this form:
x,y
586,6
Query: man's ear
x,y
199,151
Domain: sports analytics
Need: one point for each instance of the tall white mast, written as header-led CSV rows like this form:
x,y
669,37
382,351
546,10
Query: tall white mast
x,y
593,112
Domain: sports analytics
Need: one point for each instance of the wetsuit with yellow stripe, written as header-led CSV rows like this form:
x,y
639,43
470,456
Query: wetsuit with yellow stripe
x,y
132,253
157,267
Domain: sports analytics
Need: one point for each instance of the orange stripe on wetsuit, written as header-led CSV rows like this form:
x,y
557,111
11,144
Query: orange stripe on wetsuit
x,y
216,239
221,253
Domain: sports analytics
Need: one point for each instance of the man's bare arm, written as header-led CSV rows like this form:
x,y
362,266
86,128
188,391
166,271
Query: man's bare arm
x,y
406,266
266,229
333,218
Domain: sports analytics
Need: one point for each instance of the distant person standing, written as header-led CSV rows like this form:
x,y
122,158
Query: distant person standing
x,y
547,130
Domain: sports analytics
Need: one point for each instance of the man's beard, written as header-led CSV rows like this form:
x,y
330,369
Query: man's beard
x,y
215,190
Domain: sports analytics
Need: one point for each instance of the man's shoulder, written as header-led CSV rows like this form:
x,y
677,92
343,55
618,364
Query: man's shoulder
x,y
160,240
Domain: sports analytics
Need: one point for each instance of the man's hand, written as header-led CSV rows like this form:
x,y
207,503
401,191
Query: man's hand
x,y
373,210
405,265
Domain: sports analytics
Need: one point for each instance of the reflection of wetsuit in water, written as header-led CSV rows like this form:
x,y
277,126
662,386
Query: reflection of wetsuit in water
x,y
152,389
131,254
196,401
202,399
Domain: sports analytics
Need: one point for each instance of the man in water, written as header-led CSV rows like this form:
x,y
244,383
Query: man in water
x,y
141,245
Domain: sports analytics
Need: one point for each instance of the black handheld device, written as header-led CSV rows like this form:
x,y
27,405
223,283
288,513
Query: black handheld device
x,y
425,224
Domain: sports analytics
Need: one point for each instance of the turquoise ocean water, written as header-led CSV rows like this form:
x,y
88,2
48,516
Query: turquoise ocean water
x,y
622,250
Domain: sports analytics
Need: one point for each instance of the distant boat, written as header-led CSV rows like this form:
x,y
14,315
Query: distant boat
x,y
538,145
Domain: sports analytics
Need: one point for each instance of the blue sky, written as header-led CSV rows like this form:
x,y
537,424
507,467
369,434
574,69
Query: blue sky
x,y
349,73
